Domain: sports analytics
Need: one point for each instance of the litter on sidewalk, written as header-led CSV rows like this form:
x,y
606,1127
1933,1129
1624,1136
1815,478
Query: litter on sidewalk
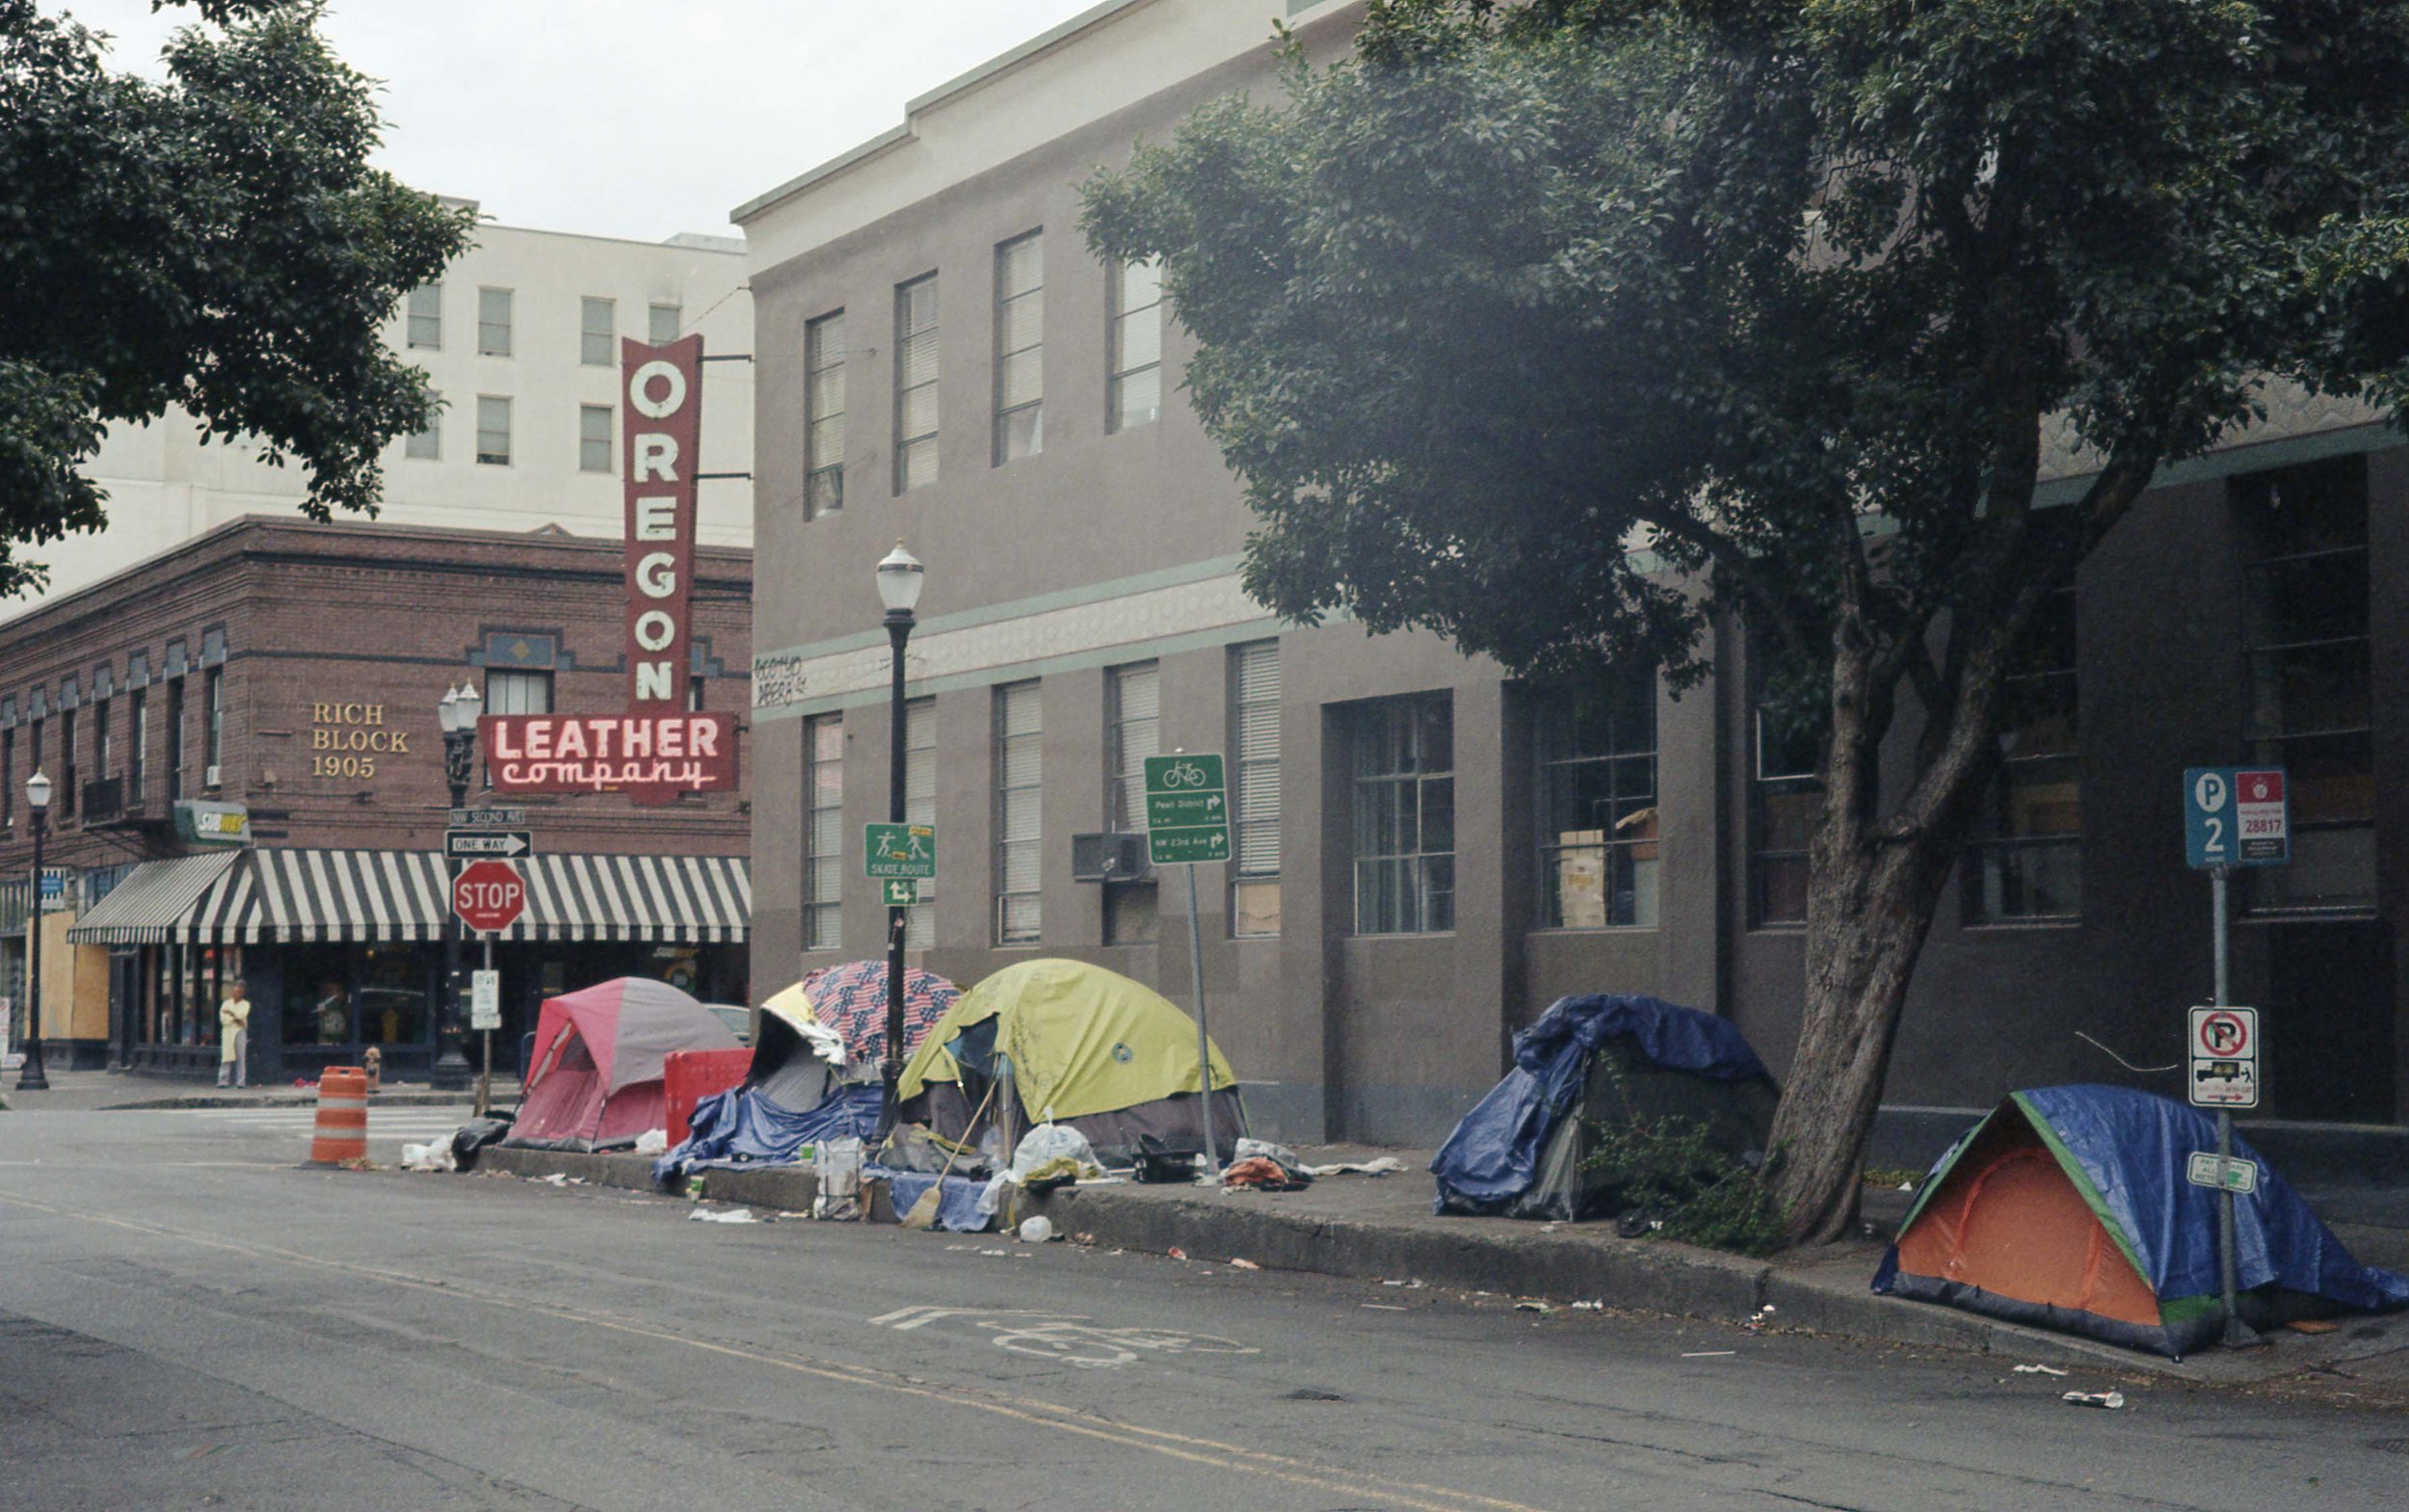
x,y
2108,1400
729,1216
2038,1369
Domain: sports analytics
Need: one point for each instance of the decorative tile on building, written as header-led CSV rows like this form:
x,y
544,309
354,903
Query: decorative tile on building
x,y
784,679
2292,412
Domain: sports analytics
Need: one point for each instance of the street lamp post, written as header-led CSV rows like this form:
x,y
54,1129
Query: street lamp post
x,y
899,579
32,1077
457,715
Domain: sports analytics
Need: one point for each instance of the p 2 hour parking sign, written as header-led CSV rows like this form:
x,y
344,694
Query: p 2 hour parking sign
x,y
2237,816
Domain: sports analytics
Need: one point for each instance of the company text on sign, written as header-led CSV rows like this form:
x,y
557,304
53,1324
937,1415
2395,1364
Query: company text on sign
x,y
600,752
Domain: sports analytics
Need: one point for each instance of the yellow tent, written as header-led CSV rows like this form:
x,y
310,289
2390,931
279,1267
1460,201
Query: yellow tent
x,y
1081,1040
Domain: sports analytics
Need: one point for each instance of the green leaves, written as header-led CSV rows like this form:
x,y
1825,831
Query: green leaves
x,y
218,240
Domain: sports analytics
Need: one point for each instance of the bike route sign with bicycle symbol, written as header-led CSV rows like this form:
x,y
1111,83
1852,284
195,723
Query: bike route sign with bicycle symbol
x,y
1187,809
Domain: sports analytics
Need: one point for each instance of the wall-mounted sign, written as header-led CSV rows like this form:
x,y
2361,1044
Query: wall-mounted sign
x,y
664,753
345,739
661,417
199,823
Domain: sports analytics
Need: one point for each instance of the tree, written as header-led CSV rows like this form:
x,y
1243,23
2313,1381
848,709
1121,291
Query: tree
x,y
1570,329
216,241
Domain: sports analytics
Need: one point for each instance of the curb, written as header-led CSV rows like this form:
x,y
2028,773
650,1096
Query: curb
x,y
294,1100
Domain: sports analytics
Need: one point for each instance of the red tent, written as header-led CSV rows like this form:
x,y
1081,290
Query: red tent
x,y
596,1077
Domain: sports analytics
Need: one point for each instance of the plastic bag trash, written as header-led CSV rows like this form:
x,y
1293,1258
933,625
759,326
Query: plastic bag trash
x,y
652,1142
556,1179
1244,1265
2108,1400
729,1215
1589,1306
1541,1308
992,1195
1043,1149
473,1136
1037,1230
837,1180
1378,1165
2038,1369
1249,1149
436,1156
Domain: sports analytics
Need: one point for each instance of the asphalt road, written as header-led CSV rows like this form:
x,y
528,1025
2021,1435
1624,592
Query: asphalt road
x,y
189,1320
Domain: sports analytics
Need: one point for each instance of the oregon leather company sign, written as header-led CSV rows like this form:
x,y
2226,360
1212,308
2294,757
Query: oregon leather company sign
x,y
657,748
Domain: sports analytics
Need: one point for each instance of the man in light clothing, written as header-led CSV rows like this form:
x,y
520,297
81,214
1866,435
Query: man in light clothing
x,y
233,1037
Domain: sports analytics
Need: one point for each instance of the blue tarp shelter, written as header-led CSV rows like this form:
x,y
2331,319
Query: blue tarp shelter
x,y
743,1127
1589,1060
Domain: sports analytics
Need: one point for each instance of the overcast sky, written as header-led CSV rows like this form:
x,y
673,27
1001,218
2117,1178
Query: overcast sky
x,y
630,117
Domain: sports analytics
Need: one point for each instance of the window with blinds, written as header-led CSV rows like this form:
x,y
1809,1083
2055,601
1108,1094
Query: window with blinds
x,y
425,318
1019,776
1134,392
594,437
920,807
493,322
516,693
493,430
823,831
1255,786
916,385
824,415
1132,732
1021,348
598,330
427,445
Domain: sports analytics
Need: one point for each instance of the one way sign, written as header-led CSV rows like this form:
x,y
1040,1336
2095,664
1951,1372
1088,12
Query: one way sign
x,y
478,844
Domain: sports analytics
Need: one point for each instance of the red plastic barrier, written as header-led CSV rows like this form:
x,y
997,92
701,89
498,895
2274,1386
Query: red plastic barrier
x,y
688,1076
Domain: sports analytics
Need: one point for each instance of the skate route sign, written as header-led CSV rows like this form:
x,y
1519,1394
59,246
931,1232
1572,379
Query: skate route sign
x,y
2237,816
1187,809
2224,1055
899,851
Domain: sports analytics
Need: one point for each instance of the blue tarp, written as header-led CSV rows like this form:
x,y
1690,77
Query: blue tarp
x,y
1494,1153
742,1128
2135,1146
957,1202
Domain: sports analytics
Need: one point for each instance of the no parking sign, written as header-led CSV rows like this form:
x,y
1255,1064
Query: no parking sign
x,y
2224,1058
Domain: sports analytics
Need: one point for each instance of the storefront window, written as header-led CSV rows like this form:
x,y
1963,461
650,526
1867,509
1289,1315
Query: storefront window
x,y
317,995
391,1004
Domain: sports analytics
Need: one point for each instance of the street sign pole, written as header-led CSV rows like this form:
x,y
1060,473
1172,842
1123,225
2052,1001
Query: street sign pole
x,y
1204,1039
2218,903
1187,820
485,1078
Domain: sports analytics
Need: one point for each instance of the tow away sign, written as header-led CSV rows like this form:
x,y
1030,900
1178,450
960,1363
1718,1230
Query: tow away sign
x,y
2224,1046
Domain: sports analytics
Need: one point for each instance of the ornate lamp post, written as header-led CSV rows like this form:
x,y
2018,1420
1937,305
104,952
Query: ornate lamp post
x,y
32,1077
457,715
899,580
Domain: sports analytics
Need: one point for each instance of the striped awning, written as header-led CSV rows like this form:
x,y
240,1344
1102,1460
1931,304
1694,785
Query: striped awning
x,y
300,895
144,908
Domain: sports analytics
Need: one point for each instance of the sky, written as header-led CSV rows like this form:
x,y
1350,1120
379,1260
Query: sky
x,y
629,117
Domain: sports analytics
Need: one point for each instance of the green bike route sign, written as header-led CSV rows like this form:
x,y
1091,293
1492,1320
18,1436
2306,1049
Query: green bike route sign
x,y
1187,809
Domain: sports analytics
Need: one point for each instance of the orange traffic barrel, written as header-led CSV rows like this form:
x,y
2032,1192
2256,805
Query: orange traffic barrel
x,y
342,1131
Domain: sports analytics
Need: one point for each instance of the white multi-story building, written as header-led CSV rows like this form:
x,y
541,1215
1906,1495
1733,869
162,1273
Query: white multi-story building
x,y
520,339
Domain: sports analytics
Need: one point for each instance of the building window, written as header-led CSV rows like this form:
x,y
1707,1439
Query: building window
x,y
138,735
597,327
516,693
213,725
662,323
1254,787
1019,773
916,385
493,322
425,317
823,831
920,807
594,437
8,779
67,763
1134,392
103,744
2305,623
1786,800
493,430
824,415
1021,347
1132,732
1597,792
2024,860
175,740
1405,816
427,445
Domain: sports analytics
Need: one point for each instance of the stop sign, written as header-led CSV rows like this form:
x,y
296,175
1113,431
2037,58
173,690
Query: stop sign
x,y
488,895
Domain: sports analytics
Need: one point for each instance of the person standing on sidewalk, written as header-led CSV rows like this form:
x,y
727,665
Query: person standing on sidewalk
x,y
234,1037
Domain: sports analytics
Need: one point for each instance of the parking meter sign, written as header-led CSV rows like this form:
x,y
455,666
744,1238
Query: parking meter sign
x,y
2236,816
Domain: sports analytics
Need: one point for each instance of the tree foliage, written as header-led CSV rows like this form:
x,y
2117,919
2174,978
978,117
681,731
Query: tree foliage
x,y
1566,327
216,240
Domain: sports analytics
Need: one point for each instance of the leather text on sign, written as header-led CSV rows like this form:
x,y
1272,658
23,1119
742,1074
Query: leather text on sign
x,y
637,753
661,423
489,895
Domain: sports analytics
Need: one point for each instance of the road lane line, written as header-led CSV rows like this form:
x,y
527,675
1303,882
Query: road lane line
x,y
1035,1412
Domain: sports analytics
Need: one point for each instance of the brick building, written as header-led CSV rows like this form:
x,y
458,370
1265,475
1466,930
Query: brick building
x,y
249,780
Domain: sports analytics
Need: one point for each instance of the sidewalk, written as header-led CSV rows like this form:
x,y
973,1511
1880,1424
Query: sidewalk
x,y
1381,1230
117,1091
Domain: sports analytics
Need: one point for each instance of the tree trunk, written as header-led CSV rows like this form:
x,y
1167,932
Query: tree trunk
x,y
1866,920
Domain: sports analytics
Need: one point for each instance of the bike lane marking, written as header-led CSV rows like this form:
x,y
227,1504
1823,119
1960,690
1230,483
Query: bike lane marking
x,y
1032,1410
1070,1338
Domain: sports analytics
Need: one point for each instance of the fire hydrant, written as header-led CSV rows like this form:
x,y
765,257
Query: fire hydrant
x,y
373,1062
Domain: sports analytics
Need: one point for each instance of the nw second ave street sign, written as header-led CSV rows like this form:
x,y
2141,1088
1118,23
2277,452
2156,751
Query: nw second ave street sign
x,y
489,818
489,895
899,850
1187,809
2236,816
471,844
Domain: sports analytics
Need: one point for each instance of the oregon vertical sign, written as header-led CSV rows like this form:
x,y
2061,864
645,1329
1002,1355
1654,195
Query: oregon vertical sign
x,y
662,446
